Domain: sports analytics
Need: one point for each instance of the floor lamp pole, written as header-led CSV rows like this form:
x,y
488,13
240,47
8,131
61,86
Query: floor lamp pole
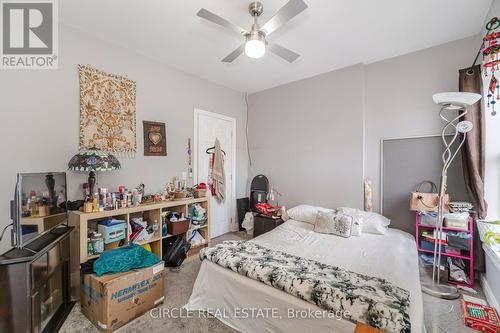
x,y
452,128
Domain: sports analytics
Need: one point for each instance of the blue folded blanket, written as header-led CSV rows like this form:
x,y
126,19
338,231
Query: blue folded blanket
x,y
123,259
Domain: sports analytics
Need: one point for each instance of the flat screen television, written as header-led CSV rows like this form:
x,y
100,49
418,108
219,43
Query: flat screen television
x,y
39,205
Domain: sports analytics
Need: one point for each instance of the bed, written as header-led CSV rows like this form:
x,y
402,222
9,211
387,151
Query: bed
x,y
235,299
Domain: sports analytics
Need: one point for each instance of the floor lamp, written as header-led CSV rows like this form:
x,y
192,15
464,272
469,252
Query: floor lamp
x,y
449,102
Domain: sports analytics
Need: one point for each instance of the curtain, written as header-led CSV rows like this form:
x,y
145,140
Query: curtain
x,y
473,155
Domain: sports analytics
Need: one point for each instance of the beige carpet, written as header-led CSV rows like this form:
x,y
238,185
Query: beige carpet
x,y
178,286
441,316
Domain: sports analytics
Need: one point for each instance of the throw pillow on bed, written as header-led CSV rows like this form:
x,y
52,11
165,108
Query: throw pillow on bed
x,y
372,223
333,223
305,213
357,225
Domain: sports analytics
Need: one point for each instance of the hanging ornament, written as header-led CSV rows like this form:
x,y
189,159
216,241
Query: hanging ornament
x,y
491,63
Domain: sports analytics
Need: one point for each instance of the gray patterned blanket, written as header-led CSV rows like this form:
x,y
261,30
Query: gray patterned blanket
x,y
358,297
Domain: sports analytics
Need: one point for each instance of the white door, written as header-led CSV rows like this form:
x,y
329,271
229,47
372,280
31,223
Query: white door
x,y
208,127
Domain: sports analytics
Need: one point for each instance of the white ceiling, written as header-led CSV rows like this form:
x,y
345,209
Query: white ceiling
x,y
330,34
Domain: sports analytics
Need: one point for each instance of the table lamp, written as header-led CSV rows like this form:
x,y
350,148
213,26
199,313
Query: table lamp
x,y
449,102
91,161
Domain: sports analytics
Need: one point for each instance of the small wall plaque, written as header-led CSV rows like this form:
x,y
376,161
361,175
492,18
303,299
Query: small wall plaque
x,y
155,138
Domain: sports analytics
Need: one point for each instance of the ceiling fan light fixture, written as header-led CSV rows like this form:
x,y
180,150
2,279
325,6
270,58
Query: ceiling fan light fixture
x,y
255,43
255,46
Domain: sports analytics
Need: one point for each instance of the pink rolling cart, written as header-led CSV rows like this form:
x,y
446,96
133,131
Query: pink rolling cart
x,y
468,256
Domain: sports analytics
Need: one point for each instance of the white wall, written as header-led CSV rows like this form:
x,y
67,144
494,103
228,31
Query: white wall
x,y
39,117
399,97
307,138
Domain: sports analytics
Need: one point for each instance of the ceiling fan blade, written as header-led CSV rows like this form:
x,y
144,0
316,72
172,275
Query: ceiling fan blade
x,y
286,13
235,54
283,52
208,15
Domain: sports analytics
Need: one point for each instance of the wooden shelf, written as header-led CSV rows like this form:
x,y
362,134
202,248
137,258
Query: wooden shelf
x,y
197,227
139,208
43,223
93,256
155,239
167,236
151,212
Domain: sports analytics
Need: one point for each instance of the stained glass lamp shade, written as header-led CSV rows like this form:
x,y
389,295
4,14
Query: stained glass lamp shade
x,y
91,161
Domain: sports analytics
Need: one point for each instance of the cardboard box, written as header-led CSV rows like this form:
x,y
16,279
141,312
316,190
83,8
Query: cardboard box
x,y
112,300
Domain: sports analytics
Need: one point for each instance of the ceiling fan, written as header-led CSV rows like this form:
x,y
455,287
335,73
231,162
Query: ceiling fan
x,y
255,40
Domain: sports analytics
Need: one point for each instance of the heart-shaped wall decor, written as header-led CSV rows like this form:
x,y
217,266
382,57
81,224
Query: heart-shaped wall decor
x,y
155,138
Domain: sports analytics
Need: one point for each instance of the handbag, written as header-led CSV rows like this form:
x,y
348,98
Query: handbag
x,y
427,201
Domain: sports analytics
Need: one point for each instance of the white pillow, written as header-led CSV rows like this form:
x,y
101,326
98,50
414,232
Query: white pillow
x,y
357,225
372,223
305,213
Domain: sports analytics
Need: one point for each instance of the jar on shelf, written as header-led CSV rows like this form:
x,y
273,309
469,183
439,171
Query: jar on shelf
x,y
90,247
97,242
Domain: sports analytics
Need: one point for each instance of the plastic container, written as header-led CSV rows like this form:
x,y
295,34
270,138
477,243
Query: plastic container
x,y
456,220
458,240
97,243
113,233
428,218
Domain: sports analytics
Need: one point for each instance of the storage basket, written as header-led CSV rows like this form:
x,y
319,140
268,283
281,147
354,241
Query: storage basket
x,y
180,195
458,239
457,220
177,228
428,218
485,226
200,193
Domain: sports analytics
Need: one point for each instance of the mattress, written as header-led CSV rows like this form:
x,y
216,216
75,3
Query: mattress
x,y
251,306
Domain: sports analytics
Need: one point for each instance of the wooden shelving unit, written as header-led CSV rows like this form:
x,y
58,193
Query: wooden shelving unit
x,y
150,213
42,223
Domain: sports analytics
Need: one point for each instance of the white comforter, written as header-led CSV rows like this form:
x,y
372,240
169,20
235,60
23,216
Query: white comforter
x,y
234,298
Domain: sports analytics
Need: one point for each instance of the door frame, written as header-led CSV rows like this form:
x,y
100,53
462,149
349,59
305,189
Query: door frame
x,y
232,200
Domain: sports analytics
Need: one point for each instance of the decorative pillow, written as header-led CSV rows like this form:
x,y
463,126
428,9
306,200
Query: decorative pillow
x,y
333,223
371,222
305,213
357,225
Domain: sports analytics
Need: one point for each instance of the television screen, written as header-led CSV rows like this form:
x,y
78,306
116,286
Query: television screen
x,y
42,203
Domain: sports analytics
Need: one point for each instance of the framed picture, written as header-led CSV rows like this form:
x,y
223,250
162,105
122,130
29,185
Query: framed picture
x,y
155,138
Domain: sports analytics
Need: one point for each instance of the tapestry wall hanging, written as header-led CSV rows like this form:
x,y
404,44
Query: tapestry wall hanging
x,y
155,139
107,112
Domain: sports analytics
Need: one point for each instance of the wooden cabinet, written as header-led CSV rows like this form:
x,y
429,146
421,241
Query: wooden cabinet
x,y
263,224
150,213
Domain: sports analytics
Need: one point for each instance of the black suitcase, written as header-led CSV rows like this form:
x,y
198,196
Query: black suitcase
x,y
175,250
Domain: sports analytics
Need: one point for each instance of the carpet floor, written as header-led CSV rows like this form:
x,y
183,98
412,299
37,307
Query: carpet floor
x,y
441,316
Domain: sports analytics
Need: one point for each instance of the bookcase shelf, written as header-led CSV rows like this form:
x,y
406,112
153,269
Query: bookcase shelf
x,y
151,212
